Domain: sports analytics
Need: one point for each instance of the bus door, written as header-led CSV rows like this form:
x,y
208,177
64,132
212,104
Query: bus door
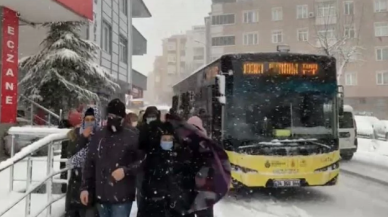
x,y
216,113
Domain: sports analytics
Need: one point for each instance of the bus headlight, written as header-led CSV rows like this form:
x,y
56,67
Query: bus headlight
x,y
330,167
237,168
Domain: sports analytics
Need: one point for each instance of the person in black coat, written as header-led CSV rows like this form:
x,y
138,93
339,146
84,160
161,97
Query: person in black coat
x,y
112,164
169,172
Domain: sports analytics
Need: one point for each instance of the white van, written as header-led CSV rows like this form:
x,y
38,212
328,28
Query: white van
x,y
347,133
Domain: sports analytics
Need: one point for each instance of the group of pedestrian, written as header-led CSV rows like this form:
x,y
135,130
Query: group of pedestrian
x,y
171,168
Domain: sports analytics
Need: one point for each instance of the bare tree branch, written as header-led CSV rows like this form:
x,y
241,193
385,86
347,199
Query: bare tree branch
x,y
337,35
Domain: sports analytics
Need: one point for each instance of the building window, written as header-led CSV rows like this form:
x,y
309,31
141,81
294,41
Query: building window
x,y
171,58
350,78
199,53
349,8
106,42
382,78
381,6
224,41
123,49
171,69
326,34
326,10
277,14
224,19
381,29
350,31
251,17
302,11
277,36
182,53
251,38
124,6
303,35
382,53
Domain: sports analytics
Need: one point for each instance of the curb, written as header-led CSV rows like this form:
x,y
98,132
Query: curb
x,y
380,181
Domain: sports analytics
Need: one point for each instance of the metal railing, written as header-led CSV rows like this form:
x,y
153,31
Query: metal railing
x,y
25,155
50,114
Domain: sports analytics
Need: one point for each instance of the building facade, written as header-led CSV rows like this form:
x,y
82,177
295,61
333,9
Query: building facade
x,y
110,29
195,48
182,54
307,26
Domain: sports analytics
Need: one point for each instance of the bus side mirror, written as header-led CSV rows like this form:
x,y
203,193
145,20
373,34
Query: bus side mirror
x,y
220,80
340,97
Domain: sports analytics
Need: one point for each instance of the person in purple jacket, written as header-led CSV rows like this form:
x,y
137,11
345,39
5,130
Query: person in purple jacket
x,y
111,165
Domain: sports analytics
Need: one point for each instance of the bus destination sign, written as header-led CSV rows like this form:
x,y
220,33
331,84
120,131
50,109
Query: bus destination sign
x,y
280,68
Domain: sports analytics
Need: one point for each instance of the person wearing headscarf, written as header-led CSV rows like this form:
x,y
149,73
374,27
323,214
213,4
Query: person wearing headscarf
x,y
211,167
77,149
197,123
111,165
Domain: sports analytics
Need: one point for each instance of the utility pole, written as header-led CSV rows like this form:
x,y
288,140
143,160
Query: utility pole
x,y
130,48
208,41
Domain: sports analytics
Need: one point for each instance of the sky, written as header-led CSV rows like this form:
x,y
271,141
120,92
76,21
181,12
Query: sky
x,y
169,17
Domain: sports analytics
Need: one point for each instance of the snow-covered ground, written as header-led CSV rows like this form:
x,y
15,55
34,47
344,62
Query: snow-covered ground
x,y
226,208
352,196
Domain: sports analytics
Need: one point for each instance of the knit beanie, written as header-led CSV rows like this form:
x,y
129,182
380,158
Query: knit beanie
x,y
116,107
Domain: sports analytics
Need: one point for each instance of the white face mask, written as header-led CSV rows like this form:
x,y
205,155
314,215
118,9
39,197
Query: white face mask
x,y
134,124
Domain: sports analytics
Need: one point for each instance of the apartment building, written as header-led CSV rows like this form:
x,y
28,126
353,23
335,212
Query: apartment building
x,y
157,91
259,26
182,54
195,48
110,29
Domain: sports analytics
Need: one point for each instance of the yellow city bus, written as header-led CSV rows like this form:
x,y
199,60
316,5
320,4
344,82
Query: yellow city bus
x,y
276,115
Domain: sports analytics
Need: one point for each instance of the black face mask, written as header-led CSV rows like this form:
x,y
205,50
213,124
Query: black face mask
x,y
115,124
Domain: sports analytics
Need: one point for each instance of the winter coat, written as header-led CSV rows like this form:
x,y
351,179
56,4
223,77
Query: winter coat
x,y
107,152
168,182
76,143
213,178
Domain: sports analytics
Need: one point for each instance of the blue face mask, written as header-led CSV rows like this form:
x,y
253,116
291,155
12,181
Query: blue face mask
x,y
89,124
166,145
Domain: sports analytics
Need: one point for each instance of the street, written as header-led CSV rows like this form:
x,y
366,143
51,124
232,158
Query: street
x,y
352,196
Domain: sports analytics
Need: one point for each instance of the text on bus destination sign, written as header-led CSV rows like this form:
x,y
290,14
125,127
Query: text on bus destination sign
x,y
280,68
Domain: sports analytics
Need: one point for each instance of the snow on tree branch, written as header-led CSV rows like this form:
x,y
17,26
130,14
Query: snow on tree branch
x,y
337,34
64,73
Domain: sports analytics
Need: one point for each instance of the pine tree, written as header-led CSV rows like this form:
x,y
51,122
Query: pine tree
x,y
64,73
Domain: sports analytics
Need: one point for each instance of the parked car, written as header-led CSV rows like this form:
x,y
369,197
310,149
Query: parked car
x,y
383,129
367,126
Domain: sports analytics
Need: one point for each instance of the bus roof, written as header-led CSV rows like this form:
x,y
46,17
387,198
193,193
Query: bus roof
x,y
247,56
197,70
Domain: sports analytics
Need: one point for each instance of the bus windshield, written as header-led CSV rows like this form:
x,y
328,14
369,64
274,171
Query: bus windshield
x,y
263,114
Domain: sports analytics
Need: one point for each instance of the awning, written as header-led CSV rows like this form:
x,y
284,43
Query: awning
x,y
41,11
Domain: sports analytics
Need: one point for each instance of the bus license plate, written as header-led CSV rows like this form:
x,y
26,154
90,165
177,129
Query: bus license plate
x,y
286,183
